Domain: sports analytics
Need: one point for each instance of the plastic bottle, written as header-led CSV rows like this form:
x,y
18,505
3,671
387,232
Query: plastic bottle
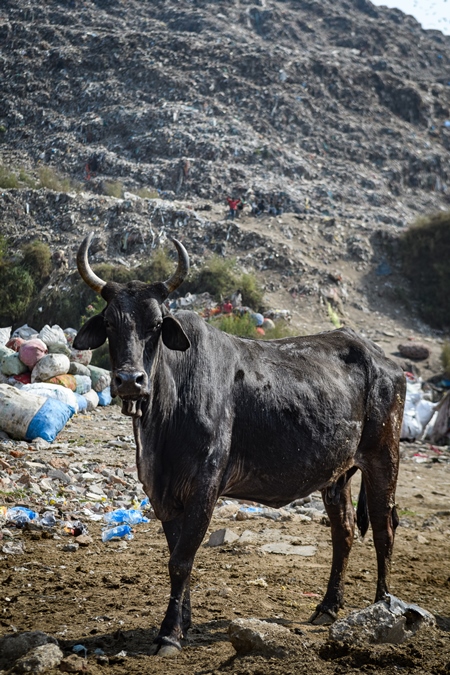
x,y
120,531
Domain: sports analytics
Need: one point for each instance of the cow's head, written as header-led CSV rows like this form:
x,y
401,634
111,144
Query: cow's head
x,y
134,321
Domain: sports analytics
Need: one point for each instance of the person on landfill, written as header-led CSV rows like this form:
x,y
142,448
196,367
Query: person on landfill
x,y
261,207
279,206
233,204
236,299
240,207
272,210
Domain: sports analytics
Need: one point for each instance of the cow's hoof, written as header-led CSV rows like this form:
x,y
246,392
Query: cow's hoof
x,y
168,651
322,617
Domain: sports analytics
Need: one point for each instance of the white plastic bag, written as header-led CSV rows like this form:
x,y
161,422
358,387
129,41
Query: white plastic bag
x,y
50,366
4,335
52,334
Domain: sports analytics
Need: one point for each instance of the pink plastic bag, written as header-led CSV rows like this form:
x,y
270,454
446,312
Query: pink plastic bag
x,y
32,351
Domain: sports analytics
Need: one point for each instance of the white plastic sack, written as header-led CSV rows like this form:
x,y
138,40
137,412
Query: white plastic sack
x,y
417,412
52,334
25,332
12,365
25,416
50,366
52,391
84,384
92,399
4,335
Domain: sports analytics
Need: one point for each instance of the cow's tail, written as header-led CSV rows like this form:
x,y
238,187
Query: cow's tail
x,y
362,512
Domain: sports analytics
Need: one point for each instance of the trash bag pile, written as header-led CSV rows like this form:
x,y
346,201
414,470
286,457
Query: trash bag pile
x,y
44,381
423,419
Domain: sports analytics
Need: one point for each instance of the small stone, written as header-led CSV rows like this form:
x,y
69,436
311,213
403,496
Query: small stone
x,y
284,548
221,537
253,635
71,548
40,659
421,539
83,540
74,664
414,350
40,444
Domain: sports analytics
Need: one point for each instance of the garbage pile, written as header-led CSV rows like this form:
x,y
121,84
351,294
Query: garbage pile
x,y
52,523
424,419
44,381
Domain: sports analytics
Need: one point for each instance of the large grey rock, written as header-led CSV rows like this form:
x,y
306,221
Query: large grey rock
x,y
253,635
12,647
392,622
285,548
223,536
39,660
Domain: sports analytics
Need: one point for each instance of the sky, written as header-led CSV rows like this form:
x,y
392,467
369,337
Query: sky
x,y
430,13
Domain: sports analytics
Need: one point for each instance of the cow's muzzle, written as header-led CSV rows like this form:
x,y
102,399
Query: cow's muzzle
x,y
130,385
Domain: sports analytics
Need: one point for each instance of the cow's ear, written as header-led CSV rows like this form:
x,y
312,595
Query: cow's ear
x,y
173,335
92,334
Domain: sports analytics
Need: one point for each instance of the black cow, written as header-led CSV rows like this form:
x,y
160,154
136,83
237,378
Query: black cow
x,y
272,421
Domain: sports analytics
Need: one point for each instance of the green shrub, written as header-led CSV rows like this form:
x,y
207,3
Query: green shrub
x,y
445,359
333,316
242,326
113,189
146,193
221,279
281,330
425,256
37,260
17,289
8,179
50,179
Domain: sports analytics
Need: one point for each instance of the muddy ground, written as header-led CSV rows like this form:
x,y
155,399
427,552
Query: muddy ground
x,y
113,596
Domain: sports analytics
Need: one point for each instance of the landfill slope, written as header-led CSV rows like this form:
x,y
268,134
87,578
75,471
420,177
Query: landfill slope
x,y
341,105
338,107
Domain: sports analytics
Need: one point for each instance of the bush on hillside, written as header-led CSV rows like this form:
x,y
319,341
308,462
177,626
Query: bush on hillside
x,y
425,254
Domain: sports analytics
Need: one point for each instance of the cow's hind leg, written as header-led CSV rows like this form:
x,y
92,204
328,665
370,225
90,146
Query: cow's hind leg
x,y
339,507
380,483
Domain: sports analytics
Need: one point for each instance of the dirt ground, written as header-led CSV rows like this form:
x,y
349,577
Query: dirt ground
x,y
113,596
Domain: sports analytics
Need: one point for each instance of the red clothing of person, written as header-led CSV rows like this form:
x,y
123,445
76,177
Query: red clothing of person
x,y
233,203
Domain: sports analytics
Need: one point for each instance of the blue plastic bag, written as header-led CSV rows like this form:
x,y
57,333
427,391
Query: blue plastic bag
x,y
49,420
130,516
119,531
104,396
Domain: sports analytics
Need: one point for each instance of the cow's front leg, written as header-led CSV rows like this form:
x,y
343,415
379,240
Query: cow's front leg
x,y
194,523
172,530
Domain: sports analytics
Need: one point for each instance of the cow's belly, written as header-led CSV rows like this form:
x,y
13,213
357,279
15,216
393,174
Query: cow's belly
x,y
276,470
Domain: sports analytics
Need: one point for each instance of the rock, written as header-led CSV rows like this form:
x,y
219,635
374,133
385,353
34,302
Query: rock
x,y
71,548
221,537
39,660
74,664
253,635
13,647
414,350
384,622
83,540
284,548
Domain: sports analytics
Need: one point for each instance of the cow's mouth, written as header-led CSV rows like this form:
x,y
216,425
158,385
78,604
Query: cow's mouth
x,y
132,407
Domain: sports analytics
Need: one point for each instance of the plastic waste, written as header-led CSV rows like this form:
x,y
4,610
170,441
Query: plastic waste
x,y
75,528
20,515
130,516
145,502
48,519
78,649
4,335
104,396
121,531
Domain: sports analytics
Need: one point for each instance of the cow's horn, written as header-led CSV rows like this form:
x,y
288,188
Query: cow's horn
x,y
84,268
182,270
